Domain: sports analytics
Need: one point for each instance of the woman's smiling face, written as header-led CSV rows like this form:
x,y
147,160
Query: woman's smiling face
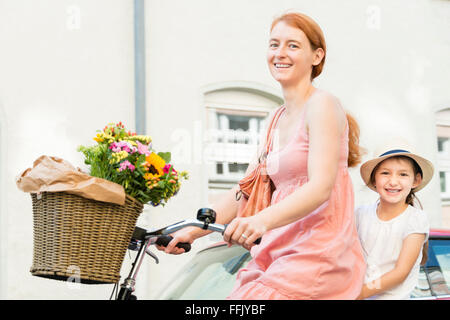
x,y
290,56
394,179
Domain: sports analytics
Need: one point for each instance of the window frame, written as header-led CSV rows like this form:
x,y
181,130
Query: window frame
x,y
227,176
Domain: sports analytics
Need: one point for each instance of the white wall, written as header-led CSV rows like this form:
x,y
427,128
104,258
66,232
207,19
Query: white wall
x,y
63,77
61,81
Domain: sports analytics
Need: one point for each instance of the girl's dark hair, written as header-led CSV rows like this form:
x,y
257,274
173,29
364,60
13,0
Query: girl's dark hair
x,y
411,198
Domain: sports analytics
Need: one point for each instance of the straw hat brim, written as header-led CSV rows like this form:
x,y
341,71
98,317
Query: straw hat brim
x,y
425,165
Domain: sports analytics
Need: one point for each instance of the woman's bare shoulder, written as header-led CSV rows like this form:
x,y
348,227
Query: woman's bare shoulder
x,y
325,98
324,102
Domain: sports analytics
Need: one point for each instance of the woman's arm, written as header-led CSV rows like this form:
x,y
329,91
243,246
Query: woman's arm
x,y
408,256
325,122
226,207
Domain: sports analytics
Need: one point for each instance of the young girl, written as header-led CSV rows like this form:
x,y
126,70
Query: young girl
x,y
392,231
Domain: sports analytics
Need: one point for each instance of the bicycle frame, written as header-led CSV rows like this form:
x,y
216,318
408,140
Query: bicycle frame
x,y
128,286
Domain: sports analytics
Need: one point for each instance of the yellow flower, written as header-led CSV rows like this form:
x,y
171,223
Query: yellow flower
x,y
118,156
102,136
98,138
155,164
141,138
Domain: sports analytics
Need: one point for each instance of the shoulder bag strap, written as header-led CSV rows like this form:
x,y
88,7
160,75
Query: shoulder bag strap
x,y
270,131
273,124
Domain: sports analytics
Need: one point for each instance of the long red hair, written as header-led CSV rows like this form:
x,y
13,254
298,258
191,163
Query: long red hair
x,y
317,40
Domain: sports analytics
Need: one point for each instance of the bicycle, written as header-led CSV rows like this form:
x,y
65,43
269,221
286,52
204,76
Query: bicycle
x,y
142,239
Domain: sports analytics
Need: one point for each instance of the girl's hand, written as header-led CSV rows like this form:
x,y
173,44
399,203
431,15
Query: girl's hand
x,y
361,295
183,235
244,231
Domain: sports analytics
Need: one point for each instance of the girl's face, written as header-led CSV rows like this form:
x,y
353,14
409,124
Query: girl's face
x,y
394,180
290,57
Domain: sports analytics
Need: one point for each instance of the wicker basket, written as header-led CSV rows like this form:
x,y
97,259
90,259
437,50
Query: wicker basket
x,y
79,237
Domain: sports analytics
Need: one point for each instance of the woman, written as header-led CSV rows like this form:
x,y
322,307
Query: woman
x,y
310,247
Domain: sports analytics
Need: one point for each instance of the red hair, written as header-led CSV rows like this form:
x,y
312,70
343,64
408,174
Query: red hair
x,y
312,32
317,40
355,152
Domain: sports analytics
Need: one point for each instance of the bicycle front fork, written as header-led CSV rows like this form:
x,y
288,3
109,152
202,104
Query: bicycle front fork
x,y
126,290
128,285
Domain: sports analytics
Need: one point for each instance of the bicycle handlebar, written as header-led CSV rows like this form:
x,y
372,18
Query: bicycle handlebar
x,y
163,238
186,223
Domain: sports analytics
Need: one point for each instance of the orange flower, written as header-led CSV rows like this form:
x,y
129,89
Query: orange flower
x,y
151,176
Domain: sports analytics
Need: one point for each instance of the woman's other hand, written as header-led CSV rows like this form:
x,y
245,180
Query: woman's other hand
x,y
183,235
244,231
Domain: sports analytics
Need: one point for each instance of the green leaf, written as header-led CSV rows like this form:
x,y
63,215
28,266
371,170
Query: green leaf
x,y
165,155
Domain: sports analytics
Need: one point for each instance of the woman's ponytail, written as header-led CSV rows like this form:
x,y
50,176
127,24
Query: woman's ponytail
x,y
355,152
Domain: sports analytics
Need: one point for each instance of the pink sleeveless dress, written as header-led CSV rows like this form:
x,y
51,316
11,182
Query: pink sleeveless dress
x,y
316,257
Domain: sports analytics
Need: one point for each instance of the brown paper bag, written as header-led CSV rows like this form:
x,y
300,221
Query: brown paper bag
x,y
52,174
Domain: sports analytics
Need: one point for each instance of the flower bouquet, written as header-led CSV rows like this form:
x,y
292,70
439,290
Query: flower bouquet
x,y
128,159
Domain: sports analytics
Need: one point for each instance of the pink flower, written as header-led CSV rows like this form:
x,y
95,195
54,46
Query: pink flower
x,y
124,146
167,169
143,149
126,164
114,147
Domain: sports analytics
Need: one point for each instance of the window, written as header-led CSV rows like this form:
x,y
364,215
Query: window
x,y
438,267
443,182
233,144
210,275
422,289
443,144
434,277
235,121
443,164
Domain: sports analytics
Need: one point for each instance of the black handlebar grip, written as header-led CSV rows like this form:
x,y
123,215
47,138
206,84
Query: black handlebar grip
x,y
257,241
164,241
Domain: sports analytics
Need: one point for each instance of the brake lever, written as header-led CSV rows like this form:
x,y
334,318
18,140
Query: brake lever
x,y
151,254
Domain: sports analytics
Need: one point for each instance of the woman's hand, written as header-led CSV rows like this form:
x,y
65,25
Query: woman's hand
x,y
183,235
244,231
